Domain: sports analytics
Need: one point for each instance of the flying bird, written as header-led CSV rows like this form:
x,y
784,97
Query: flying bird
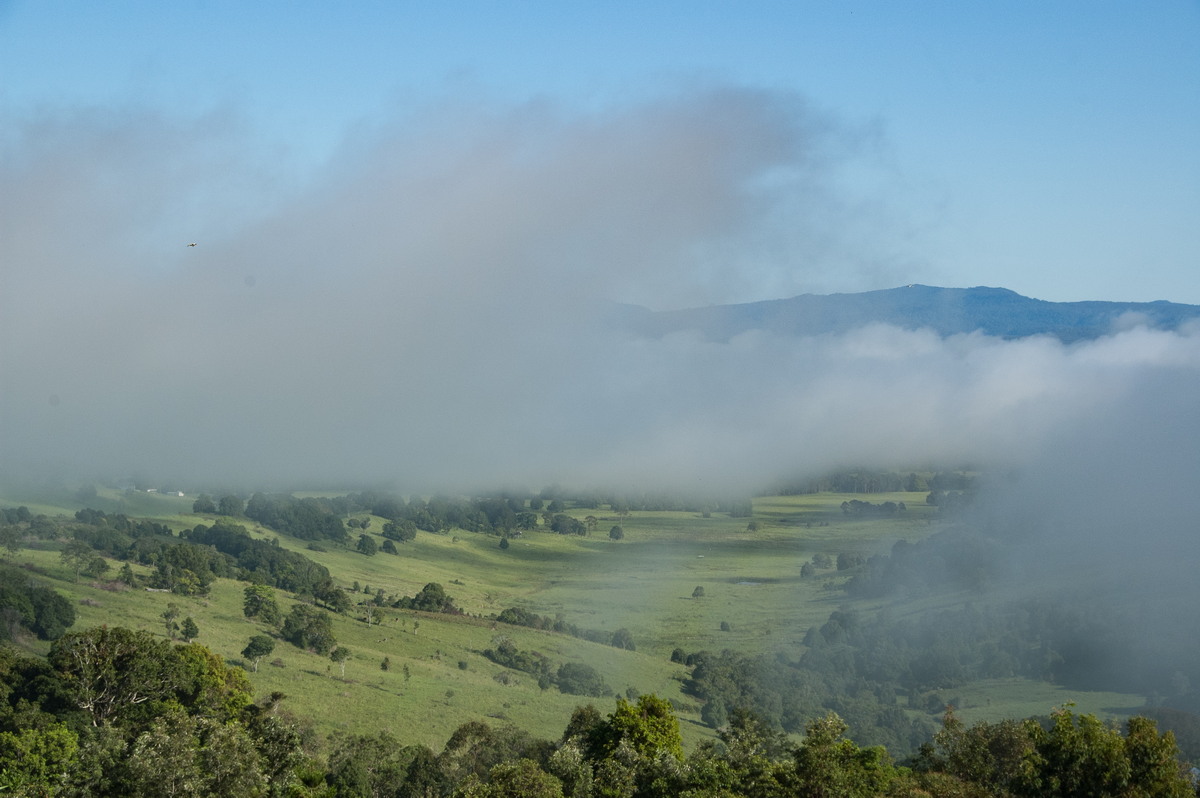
x,y
192,244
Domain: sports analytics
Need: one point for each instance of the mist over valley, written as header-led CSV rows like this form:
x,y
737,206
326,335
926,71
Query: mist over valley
x,y
507,407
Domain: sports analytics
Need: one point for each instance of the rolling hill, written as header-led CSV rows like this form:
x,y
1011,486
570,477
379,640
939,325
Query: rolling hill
x,y
947,311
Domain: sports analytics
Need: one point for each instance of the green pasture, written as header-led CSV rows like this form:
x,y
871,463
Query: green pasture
x,y
995,699
438,678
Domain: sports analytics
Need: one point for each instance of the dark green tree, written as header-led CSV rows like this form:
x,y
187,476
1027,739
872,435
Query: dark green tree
x,y
231,506
115,673
366,545
126,575
53,613
35,760
1078,756
189,630
309,627
400,531
10,537
828,764
259,646
169,616
623,638
76,555
339,655
649,727
368,765
204,504
332,596
258,601
520,779
578,678
182,755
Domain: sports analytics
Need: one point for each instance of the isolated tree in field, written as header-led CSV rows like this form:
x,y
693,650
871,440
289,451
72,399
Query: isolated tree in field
x,y
332,596
258,647
189,630
623,638
504,542
126,575
432,598
309,627
698,592
98,567
258,601
169,615
366,545
77,556
340,655
616,533
389,547
578,678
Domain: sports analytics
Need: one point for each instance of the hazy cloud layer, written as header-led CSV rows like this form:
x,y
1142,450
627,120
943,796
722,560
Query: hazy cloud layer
x,y
430,309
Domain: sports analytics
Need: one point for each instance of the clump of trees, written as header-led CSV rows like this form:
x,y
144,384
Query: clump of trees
x,y
307,519
113,711
576,678
518,616
259,560
431,598
26,606
309,628
857,507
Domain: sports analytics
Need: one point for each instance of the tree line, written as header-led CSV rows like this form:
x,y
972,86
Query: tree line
x,y
117,712
518,616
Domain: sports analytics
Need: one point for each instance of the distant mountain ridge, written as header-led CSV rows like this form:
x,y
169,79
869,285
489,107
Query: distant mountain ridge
x,y
948,311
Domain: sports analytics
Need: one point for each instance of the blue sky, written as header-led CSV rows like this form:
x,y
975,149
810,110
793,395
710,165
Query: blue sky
x,y
407,215
1046,147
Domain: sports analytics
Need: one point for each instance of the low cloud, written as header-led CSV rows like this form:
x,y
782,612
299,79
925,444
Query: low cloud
x,y
433,308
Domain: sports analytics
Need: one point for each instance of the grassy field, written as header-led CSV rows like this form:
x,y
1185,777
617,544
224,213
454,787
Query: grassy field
x,y
438,678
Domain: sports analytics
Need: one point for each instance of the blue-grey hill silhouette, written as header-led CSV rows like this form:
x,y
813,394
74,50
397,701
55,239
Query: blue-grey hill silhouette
x,y
996,312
